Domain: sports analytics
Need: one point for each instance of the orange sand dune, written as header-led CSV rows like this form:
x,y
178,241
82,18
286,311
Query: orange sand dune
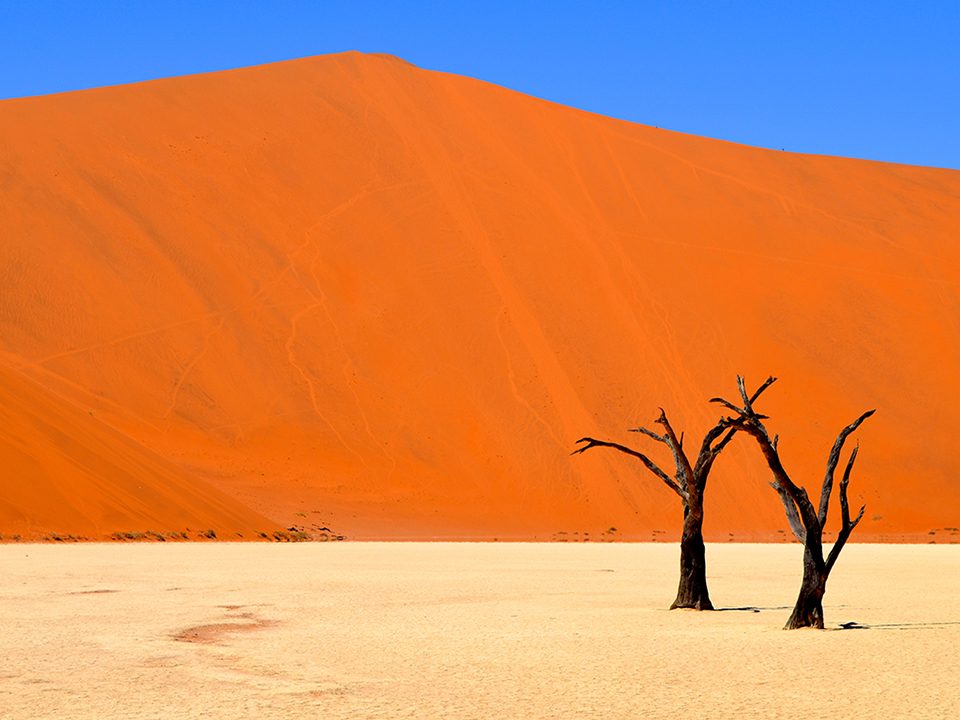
x,y
66,472
389,300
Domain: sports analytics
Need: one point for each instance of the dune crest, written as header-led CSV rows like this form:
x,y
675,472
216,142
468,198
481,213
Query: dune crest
x,y
349,291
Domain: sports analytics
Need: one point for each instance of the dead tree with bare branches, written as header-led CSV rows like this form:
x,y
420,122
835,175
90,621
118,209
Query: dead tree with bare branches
x,y
805,520
689,482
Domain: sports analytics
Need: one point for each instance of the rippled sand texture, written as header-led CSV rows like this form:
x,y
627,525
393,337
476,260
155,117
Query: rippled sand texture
x,y
468,631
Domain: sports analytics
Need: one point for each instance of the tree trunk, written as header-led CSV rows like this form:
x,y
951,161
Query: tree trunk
x,y
692,592
808,612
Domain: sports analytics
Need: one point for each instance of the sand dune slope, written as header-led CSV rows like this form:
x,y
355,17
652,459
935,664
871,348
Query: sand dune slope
x,y
390,298
66,472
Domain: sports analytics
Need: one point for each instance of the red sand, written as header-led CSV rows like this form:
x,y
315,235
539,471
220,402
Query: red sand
x,y
389,300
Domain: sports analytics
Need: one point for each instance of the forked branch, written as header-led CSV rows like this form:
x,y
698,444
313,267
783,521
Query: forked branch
x,y
847,525
832,461
684,471
753,424
709,450
748,400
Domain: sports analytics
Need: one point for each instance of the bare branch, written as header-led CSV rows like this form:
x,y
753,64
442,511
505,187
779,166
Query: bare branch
x,y
844,481
847,525
724,440
684,471
650,464
748,400
747,409
766,383
858,518
740,411
712,434
670,434
706,458
793,515
782,481
832,461
752,423
729,405
650,434
742,387
709,451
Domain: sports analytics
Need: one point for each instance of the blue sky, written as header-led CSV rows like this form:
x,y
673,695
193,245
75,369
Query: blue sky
x,y
877,80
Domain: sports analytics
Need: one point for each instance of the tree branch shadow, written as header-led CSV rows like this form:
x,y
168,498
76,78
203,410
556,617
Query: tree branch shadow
x,y
853,625
751,608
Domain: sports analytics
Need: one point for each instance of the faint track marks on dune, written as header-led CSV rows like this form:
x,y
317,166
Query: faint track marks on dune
x,y
309,381
348,364
191,365
512,378
124,338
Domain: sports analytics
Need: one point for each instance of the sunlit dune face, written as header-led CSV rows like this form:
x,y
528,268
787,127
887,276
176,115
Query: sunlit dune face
x,y
348,293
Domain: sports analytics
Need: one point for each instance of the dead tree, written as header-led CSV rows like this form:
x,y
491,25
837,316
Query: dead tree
x,y
805,520
689,482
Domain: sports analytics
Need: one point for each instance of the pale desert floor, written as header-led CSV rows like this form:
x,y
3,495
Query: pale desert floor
x,y
369,630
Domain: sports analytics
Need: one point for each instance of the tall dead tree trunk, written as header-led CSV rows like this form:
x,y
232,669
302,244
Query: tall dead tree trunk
x,y
689,482
806,521
692,591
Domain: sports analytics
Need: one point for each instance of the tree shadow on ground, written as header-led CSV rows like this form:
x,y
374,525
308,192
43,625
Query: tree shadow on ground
x,y
854,625
751,608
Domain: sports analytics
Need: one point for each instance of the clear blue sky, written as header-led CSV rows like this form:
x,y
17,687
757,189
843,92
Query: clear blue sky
x,y
876,80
